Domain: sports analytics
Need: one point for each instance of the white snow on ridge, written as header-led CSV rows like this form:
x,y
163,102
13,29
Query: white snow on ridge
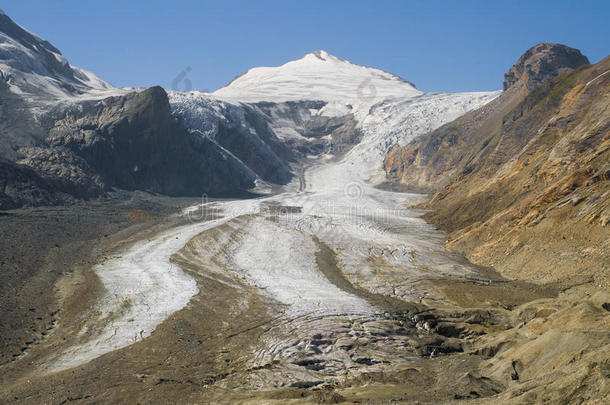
x,y
316,76
387,109
24,66
25,74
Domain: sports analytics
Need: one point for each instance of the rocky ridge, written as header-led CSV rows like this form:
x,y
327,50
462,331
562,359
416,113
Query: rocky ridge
x,y
522,185
541,63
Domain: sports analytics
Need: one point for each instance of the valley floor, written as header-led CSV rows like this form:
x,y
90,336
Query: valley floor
x,y
330,290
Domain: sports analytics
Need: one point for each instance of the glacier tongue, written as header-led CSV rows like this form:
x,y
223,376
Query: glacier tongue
x,y
398,121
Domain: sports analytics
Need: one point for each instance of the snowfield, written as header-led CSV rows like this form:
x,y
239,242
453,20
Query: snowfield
x,y
316,76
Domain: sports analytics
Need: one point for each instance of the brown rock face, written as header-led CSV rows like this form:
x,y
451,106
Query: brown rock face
x,y
541,63
527,169
523,182
524,186
432,161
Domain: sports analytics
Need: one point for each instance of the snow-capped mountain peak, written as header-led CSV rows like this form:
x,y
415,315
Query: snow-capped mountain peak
x,y
323,56
317,76
31,66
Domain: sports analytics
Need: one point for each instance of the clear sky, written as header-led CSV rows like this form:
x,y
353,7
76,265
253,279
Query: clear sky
x,y
438,45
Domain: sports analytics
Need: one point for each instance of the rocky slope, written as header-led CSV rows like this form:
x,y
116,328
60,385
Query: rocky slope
x,y
130,142
520,163
20,185
542,178
134,142
431,162
522,185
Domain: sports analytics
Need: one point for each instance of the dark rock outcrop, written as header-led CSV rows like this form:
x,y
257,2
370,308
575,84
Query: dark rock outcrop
x,y
70,173
129,142
22,186
541,63
132,142
318,133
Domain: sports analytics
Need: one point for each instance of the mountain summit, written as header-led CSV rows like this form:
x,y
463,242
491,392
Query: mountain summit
x,y
541,63
317,76
32,66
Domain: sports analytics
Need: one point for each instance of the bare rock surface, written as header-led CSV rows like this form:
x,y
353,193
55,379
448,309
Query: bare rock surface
x,y
521,185
542,63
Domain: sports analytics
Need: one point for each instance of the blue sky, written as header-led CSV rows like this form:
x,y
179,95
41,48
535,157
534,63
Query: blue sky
x,y
440,46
